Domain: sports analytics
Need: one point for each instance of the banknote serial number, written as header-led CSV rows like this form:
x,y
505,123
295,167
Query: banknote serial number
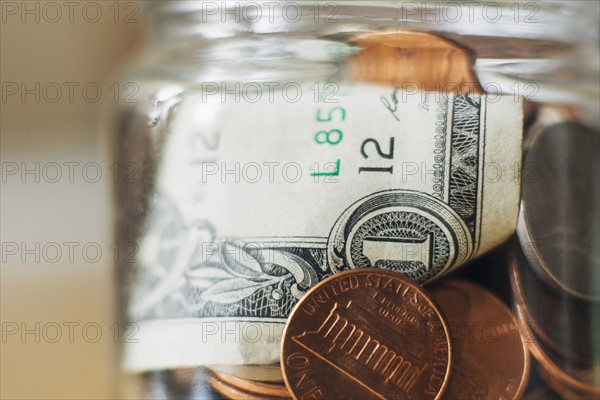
x,y
332,135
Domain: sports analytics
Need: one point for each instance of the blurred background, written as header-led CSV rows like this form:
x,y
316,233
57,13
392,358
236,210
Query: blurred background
x,y
57,294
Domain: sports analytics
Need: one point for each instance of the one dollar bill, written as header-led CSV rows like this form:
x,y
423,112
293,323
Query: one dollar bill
x,y
256,201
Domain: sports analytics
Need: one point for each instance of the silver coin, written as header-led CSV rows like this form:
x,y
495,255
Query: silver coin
x,y
559,220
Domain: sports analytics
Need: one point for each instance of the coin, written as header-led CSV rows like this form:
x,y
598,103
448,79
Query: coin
x,y
418,60
566,386
560,212
490,361
569,379
366,334
232,392
264,373
564,323
261,388
565,375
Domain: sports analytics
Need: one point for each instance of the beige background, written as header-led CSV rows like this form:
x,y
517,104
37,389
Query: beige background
x,y
68,290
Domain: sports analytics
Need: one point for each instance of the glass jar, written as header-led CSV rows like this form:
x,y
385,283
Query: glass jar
x,y
266,139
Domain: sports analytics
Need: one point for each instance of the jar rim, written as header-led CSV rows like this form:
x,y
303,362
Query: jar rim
x,y
549,20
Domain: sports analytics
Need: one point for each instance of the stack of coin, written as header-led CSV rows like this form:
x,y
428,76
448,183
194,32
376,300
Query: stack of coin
x,y
489,359
248,381
232,387
374,334
558,333
555,275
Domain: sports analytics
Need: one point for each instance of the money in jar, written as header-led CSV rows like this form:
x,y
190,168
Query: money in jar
x,y
267,154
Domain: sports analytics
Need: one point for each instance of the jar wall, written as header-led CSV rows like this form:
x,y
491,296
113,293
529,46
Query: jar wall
x,y
229,68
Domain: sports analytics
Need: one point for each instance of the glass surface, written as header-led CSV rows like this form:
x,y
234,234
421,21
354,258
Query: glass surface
x,y
546,52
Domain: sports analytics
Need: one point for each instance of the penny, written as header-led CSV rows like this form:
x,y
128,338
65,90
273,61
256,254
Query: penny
x,y
563,384
265,373
366,334
489,359
232,392
560,208
569,379
565,375
550,311
261,388
418,60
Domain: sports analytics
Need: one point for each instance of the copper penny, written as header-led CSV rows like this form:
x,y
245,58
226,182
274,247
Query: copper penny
x,y
565,375
551,310
232,392
568,378
489,358
422,60
261,388
366,334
